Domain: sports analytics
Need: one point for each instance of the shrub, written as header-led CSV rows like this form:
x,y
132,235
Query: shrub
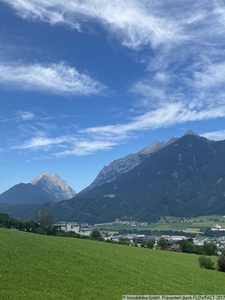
x,y
221,262
96,235
206,263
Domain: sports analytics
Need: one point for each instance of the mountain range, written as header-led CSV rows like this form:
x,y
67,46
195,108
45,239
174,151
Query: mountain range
x,y
125,164
183,177
44,188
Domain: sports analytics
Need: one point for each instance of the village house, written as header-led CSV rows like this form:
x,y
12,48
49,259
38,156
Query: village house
x,y
142,241
173,245
74,227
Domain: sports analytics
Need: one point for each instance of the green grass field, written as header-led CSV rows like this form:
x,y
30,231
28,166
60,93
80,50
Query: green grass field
x,y
43,267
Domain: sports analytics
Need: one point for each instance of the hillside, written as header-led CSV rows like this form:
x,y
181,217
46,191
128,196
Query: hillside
x,y
43,267
123,165
23,193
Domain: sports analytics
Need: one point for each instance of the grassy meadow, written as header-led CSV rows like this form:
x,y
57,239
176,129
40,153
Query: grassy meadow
x,y
45,267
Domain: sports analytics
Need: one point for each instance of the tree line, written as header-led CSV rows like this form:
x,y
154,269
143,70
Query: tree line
x,y
43,226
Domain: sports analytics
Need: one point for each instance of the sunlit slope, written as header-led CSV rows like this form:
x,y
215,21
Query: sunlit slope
x,y
42,267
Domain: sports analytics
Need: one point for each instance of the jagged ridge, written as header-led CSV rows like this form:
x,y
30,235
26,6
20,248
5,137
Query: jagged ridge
x,y
127,163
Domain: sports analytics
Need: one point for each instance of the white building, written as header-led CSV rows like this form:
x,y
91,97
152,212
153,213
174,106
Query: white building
x,y
217,228
198,242
74,227
178,237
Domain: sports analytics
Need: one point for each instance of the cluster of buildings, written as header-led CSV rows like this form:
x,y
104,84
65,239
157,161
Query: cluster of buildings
x,y
218,241
83,229
142,240
218,228
124,223
171,240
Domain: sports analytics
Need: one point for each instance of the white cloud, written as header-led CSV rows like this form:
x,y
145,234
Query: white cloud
x,y
86,147
135,23
26,115
152,95
40,142
72,144
162,77
106,137
166,115
212,76
101,138
214,135
53,78
185,65
20,116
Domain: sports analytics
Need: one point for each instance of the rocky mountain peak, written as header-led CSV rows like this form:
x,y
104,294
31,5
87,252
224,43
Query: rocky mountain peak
x,y
39,177
123,165
54,185
153,147
191,132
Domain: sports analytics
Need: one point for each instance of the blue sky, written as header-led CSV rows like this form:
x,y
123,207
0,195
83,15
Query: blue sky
x,y
85,82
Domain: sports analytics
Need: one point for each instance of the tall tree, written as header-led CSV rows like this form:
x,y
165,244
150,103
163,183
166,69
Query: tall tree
x,y
95,235
162,243
209,249
150,244
45,221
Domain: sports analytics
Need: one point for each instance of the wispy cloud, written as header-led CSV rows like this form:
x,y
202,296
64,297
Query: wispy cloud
x,y
212,76
101,138
166,115
135,23
20,117
65,145
53,78
43,140
40,142
185,39
26,115
215,135
183,52
86,147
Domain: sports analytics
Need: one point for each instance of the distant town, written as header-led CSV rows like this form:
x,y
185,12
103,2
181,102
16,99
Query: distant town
x,y
141,240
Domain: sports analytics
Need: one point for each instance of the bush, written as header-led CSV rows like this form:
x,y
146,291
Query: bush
x,y
206,263
96,235
221,262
